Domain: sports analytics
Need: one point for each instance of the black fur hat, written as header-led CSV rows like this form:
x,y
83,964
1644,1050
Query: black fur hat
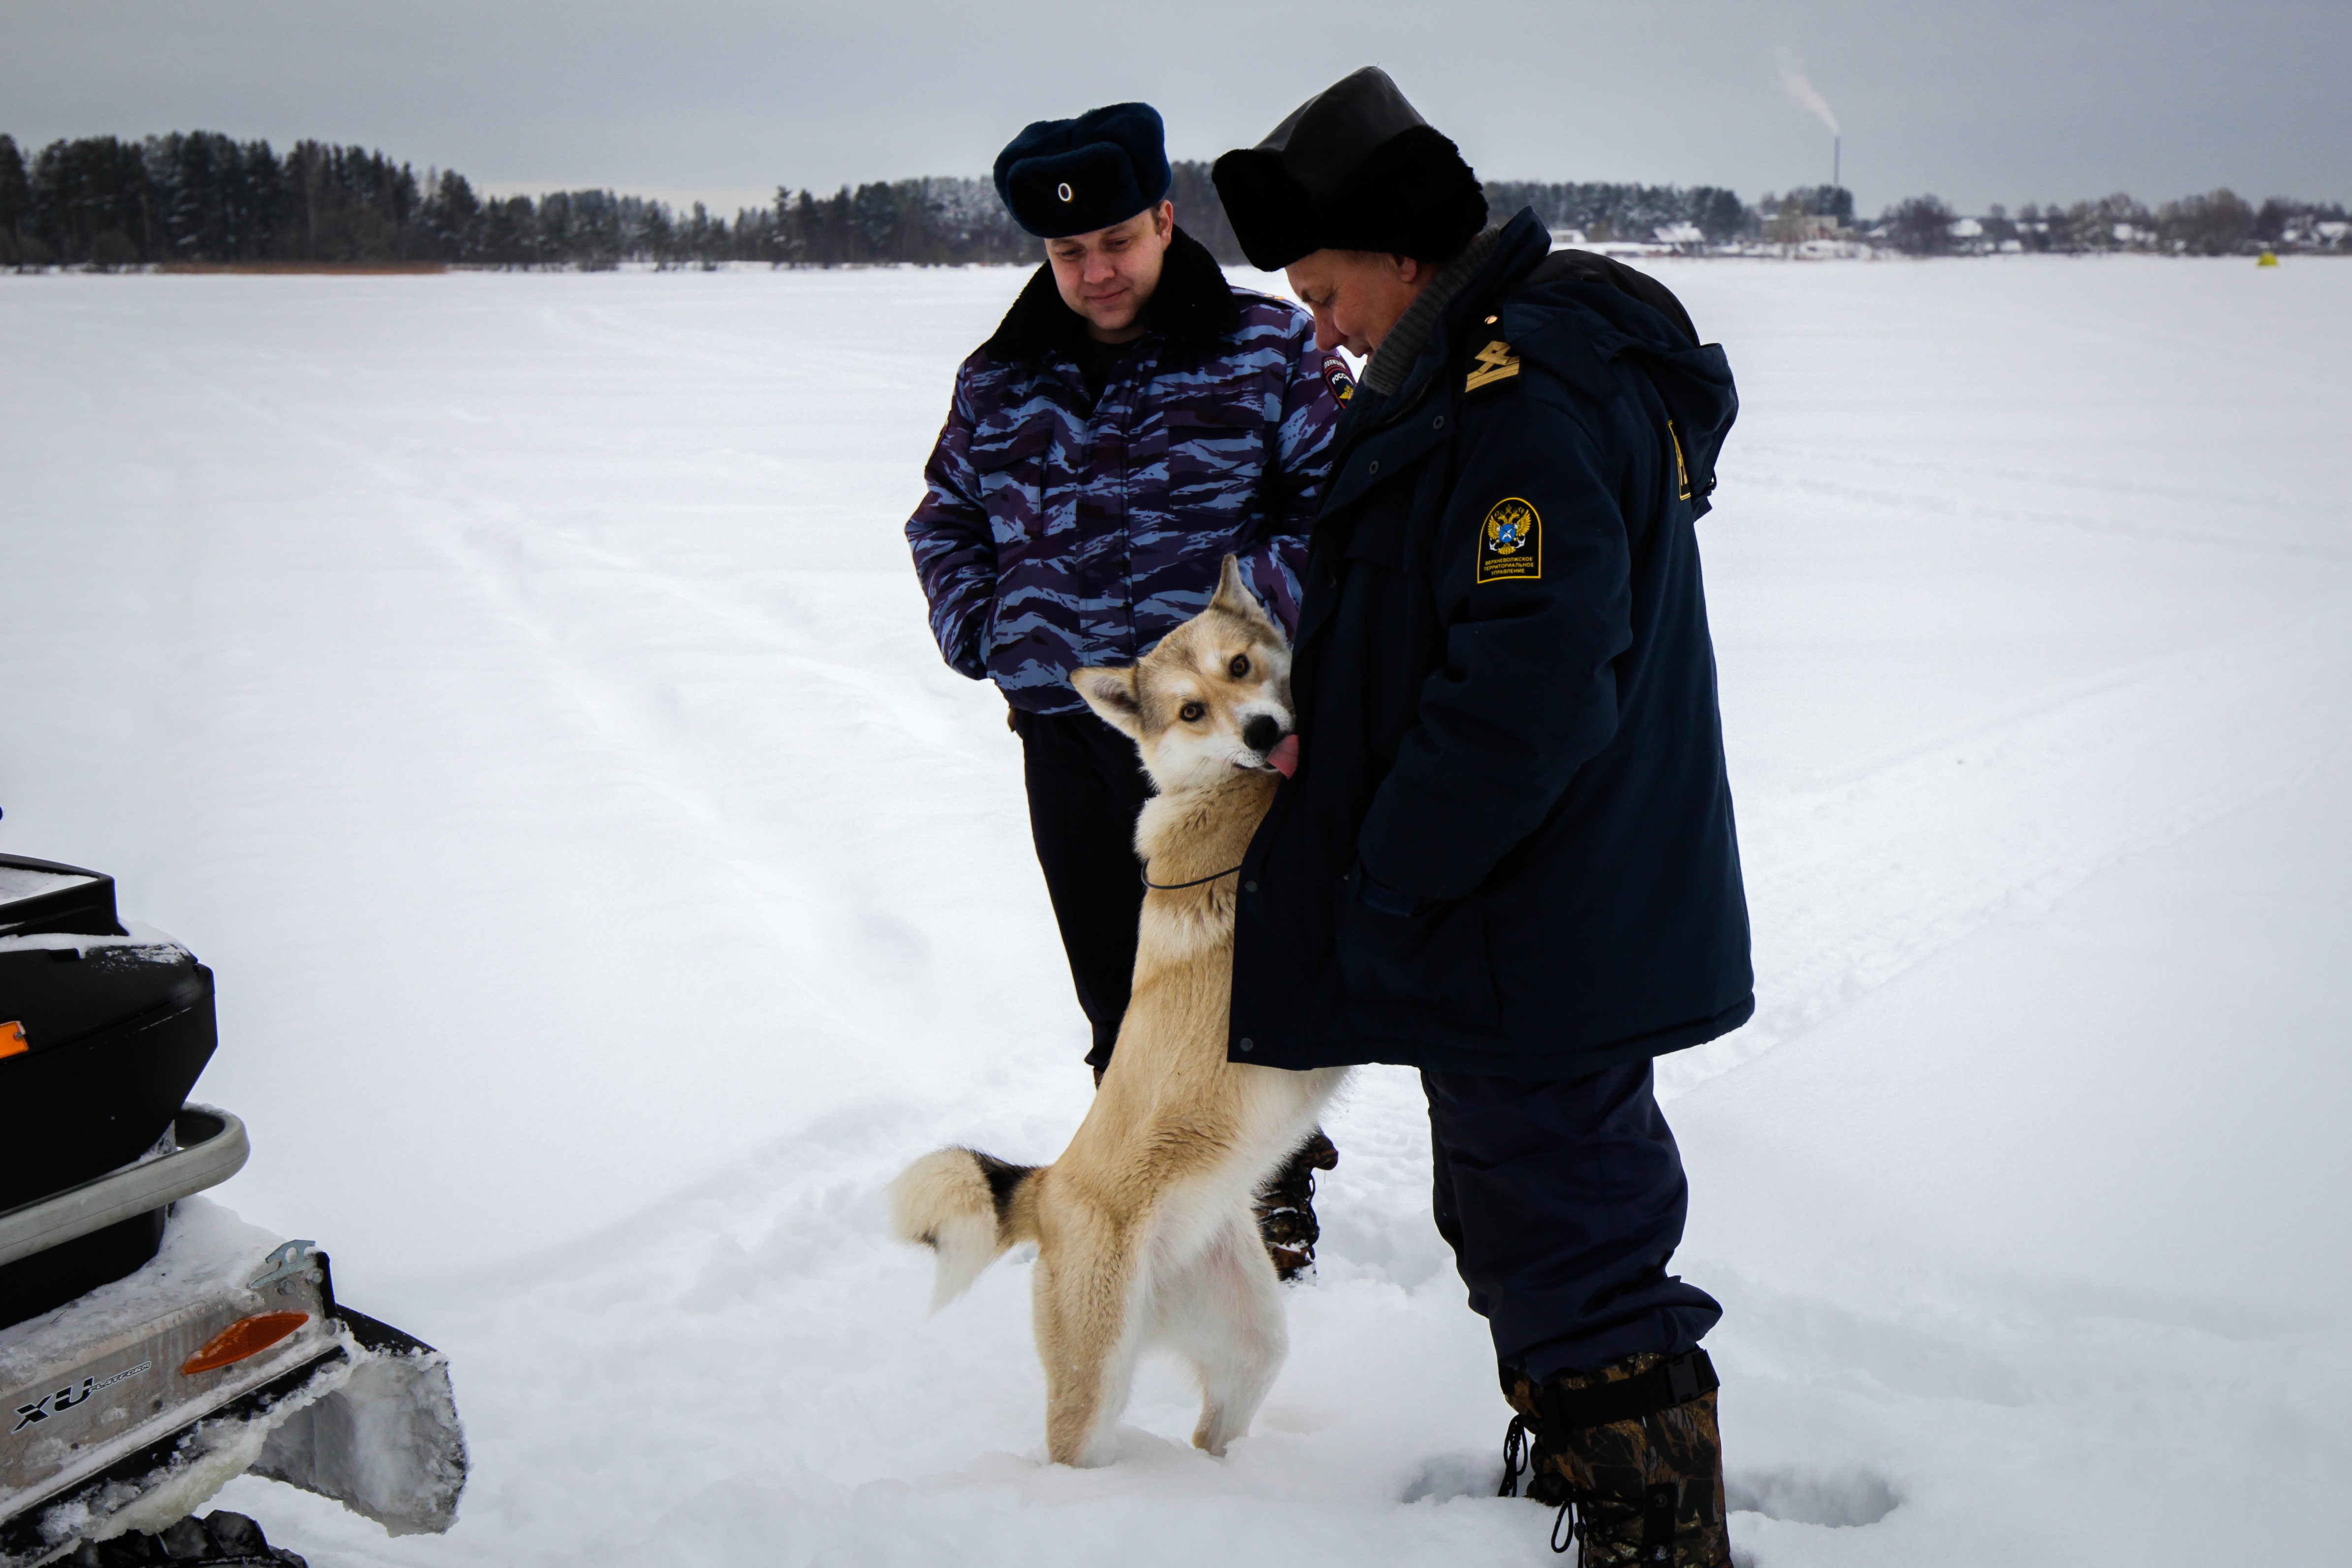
x,y
1062,177
1354,168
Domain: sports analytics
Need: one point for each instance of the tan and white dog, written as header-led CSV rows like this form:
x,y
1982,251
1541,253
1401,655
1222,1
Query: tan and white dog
x,y
1144,1227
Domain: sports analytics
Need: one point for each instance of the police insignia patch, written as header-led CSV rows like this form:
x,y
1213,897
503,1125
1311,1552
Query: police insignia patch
x,y
1336,377
1510,542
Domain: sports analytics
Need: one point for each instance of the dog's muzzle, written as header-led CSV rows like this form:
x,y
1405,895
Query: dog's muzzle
x,y
1274,743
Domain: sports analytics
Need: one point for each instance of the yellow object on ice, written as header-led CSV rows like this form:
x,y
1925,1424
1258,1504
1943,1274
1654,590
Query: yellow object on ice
x,y
2268,258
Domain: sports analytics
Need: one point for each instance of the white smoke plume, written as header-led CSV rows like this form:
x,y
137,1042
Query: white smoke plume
x,y
1801,88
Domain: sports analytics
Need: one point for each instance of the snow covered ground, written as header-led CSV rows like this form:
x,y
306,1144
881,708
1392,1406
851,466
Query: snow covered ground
x,y
514,686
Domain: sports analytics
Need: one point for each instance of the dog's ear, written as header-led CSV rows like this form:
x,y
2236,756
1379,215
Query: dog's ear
x,y
1234,597
1232,594
1112,692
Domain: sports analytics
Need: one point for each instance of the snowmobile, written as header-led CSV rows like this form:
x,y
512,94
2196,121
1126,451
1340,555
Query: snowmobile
x,y
154,1347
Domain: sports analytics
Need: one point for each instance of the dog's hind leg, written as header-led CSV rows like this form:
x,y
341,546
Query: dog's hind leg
x,y
1088,1320
1224,1312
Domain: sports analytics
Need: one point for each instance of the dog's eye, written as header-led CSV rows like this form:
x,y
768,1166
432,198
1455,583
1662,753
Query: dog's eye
x,y
1190,713
1239,668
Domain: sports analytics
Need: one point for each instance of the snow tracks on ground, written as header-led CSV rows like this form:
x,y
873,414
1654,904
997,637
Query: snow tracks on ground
x,y
515,688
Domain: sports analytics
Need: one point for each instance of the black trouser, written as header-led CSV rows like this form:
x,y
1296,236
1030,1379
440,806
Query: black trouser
x,y
1085,786
1562,1202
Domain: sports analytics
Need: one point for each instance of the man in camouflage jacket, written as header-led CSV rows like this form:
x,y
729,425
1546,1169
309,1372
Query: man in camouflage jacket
x,y
1132,421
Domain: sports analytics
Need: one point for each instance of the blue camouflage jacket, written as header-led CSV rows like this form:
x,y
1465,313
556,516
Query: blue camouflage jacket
x,y
1060,532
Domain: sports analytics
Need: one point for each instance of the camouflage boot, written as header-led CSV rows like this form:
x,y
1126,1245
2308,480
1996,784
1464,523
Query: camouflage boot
x,y
1525,1452
1285,1207
1631,1457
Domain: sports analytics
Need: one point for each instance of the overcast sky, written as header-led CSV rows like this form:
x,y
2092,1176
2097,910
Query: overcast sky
x,y
726,99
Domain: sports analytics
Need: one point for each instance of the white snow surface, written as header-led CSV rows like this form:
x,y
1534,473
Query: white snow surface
x,y
515,688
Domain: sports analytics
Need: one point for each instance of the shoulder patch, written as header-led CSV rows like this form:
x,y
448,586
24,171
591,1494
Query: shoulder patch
x,y
1510,541
1495,363
1336,377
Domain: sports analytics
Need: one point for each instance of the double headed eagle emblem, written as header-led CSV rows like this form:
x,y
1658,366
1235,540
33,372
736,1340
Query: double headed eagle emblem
x,y
1509,526
1510,542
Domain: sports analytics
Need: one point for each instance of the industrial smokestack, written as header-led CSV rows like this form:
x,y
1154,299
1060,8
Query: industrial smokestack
x,y
1807,97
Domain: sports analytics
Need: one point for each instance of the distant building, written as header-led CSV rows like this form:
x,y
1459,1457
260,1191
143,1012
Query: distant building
x,y
1789,227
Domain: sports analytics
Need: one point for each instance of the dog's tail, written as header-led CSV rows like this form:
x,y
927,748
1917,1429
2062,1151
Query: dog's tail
x,y
968,1208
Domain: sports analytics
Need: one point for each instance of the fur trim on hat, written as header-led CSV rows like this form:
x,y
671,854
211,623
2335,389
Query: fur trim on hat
x,y
1412,195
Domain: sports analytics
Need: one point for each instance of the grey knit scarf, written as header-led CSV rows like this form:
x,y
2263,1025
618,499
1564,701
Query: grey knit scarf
x,y
1386,370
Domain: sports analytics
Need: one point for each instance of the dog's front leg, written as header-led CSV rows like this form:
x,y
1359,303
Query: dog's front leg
x,y
1086,1336
1224,1314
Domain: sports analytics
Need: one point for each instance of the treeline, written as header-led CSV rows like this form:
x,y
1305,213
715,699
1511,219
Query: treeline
x,y
203,198
1602,212
2222,223
106,203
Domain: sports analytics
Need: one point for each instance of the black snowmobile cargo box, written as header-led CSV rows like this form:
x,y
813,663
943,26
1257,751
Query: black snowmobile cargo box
x,y
42,895
101,1037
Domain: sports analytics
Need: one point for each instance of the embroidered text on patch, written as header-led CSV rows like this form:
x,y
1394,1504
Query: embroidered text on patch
x,y
1495,363
1336,377
1510,542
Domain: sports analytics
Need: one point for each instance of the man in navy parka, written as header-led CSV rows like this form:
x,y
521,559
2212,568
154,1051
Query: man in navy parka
x,y
1508,857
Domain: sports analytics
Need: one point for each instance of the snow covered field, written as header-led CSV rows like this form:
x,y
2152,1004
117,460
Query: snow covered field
x,y
514,686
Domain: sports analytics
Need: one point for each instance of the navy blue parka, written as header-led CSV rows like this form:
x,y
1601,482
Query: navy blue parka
x,y
1506,704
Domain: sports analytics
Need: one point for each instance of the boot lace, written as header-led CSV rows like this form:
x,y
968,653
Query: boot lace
x,y
1515,1456
1516,1462
1574,1522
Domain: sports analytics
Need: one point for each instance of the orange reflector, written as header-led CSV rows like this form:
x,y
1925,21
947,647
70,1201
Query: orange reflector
x,y
12,1040
243,1339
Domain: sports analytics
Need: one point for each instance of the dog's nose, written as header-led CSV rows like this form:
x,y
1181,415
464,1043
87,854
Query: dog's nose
x,y
1262,733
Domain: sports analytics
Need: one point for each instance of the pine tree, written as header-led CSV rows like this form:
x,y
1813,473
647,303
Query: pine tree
x,y
805,243
451,218
16,200
89,203
659,242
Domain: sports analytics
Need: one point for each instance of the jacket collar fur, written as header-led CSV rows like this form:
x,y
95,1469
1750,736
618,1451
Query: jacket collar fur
x,y
1194,300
